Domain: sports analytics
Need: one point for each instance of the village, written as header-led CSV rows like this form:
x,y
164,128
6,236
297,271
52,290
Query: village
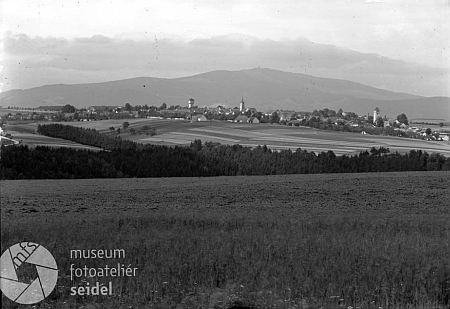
x,y
325,119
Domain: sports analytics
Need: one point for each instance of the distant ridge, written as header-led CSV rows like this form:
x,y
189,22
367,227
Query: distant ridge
x,y
263,89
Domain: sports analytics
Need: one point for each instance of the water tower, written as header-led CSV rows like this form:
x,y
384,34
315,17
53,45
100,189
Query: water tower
x,y
191,103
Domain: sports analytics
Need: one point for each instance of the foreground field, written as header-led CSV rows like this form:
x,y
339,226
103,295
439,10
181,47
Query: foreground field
x,y
297,241
179,132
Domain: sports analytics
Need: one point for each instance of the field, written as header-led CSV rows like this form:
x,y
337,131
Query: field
x,y
429,121
292,241
6,111
25,133
40,140
179,132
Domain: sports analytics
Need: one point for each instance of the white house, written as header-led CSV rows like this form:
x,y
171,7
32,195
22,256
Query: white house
x,y
199,118
253,120
241,118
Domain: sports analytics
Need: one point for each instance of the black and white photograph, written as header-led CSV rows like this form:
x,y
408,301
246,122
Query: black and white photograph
x,y
210,154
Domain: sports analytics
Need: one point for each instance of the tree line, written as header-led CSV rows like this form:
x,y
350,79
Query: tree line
x,y
130,159
86,136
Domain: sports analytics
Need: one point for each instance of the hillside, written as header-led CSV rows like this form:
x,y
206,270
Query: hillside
x,y
263,89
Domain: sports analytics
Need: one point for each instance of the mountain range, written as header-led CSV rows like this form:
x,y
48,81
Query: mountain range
x,y
263,89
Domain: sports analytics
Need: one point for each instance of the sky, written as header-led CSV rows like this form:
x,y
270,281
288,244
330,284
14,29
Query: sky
x,y
399,45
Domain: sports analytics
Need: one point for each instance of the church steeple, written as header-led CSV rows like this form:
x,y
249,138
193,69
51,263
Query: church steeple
x,y
242,105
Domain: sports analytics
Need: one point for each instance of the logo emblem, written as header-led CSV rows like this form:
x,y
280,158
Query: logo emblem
x,y
33,261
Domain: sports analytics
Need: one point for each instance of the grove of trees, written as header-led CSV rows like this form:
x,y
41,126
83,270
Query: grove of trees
x,y
68,109
403,119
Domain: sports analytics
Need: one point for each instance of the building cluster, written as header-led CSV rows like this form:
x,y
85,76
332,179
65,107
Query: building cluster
x,y
241,114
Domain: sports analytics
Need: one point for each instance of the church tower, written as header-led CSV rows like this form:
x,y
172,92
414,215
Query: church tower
x,y
376,114
242,105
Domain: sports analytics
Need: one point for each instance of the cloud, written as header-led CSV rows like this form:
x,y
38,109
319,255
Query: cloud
x,y
30,62
413,30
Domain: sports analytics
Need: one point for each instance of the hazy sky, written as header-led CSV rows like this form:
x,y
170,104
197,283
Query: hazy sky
x,y
65,41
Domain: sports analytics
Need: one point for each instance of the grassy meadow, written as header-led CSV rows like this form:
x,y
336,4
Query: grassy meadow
x,y
378,240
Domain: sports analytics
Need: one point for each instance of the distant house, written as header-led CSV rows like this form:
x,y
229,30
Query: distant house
x,y
340,121
199,110
241,118
253,120
286,115
100,110
95,109
199,118
214,110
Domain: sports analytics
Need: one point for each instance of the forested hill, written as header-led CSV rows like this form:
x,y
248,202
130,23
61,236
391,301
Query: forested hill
x,y
263,89
129,159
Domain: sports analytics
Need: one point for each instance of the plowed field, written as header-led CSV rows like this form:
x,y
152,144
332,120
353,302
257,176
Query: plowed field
x,y
292,241
283,196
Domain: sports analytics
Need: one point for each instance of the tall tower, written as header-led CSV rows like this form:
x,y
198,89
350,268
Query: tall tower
x,y
376,114
242,105
191,103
